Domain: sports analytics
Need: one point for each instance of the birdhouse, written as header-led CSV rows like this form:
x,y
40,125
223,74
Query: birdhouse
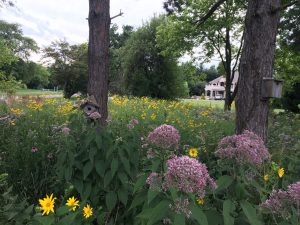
x,y
90,105
271,88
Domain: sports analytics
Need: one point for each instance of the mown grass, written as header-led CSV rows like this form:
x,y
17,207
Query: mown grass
x,y
34,92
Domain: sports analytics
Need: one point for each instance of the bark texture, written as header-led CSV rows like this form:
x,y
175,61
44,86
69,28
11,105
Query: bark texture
x,y
99,23
257,61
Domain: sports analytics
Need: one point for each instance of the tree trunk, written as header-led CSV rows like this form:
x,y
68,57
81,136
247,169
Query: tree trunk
x,y
228,58
257,61
99,23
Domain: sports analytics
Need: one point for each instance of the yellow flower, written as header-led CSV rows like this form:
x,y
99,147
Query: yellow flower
x,y
280,172
200,201
153,116
47,204
72,202
16,111
193,152
87,211
266,177
12,122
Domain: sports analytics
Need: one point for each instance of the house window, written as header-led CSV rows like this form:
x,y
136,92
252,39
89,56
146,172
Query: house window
x,y
222,84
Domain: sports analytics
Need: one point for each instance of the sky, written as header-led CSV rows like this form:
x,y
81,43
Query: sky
x,y
49,20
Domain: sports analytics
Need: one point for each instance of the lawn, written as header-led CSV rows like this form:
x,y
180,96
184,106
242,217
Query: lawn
x,y
34,92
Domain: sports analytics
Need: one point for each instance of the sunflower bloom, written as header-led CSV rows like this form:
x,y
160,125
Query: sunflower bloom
x,y
73,203
87,211
193,152
280,172
47,204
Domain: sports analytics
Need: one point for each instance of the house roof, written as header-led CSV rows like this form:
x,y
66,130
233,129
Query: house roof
x,y
235,79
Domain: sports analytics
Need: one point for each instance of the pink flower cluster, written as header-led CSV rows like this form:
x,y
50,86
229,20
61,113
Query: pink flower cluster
x,y
164,136
243,149
181,206
188,175
132,123
279,201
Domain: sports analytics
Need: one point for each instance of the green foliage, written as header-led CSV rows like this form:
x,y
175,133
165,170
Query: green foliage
x,y
13,37
108,168
28,147
68,66
116,71
147,72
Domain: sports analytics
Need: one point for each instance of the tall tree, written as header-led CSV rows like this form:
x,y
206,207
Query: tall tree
x,y
214,28
147,72
257,61
98,53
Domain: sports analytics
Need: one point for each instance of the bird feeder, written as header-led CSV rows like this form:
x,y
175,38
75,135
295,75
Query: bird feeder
x,y
271,88
90,106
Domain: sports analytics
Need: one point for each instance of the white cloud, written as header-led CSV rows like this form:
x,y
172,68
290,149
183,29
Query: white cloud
x,y
49,20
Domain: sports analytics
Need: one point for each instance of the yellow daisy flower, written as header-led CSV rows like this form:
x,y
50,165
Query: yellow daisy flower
x,y
87,211
47,204
280,172
266,177
200,201
193,152
73,203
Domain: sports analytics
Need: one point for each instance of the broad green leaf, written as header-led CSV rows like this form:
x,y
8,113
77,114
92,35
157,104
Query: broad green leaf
x,y
87,169
250,213
223,183
198,215
62,210
110,200
123,178
100,167
138,200
78,184
87,189
179,219
151,195
123,195
159,212
114,166
107,178
126,164
228,209
68,173
67,220
141,181
45,220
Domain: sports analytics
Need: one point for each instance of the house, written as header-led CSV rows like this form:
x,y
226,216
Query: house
x,y
215,89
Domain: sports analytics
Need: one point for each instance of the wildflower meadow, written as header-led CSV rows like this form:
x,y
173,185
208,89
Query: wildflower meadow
x,y
156,162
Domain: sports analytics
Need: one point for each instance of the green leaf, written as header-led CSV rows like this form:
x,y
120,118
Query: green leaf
x,y
87,169
114,166
45,220
214,217
68,173
107,178
92,153
123,195
111,200
250,213
98,140
223,183
67,220
126,164
179,219
151,195
199,215
87,189
62,210
138,200
140,182
78,184
228,209
100,167
159,212
123,178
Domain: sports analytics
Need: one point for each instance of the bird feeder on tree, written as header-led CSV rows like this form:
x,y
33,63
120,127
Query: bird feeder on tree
x,y
271,88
